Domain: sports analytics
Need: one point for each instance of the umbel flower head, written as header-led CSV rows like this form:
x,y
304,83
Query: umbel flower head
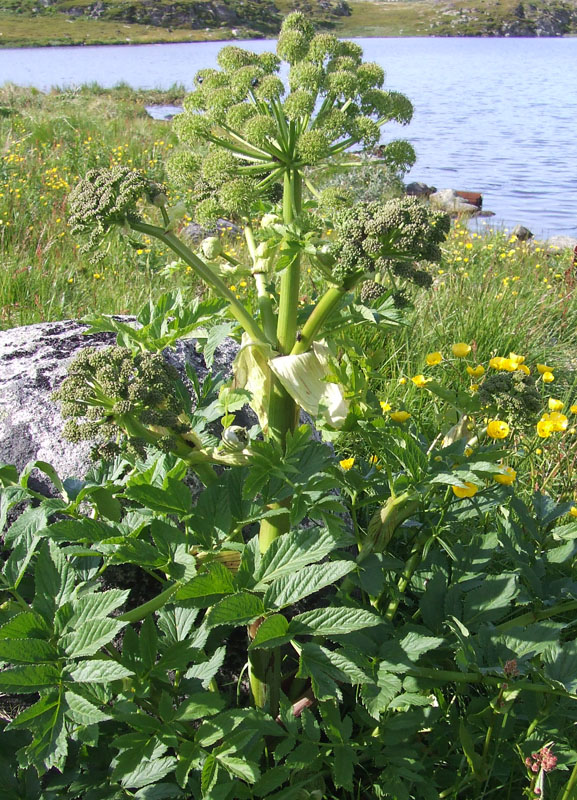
x,y
107,197
333,101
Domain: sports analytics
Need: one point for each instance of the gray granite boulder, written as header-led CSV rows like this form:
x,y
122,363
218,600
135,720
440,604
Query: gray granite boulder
x,y
33,362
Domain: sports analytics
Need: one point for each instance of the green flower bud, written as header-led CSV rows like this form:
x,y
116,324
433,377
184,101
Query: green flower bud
x,y
306,75
370,75
292,46
366,131
208,211
218,166
343,84
237,196
238,114
210,79
211,247
191,128
375,101
297,21
401,109
371,291
234,439
345,63
323,45
195,101
299,104
351,49
218,102
399,154
313,146
335,124
245,79
270,88
232,58
259,129
269,62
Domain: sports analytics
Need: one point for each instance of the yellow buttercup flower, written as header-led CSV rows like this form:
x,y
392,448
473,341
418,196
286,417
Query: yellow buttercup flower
x,y
573,511
542,368
548,377
524,368
507,477
544,428
555,405
538,451
558,421
385,406
420,381
573,409
469,490
517,359
400,416
433,359
347,463
497,429
461,349
506,364
476,372
402,381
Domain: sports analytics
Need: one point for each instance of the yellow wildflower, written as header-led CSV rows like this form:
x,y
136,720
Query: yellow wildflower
x,y
544,428
542,368
433,359
557,420
524,368
507,477
402,381
400,416
476,372
420,381
461,349
468,451
573,511
555,405
385,406
347,463
538,451
469,490
548,377
573,409
514,357
497,429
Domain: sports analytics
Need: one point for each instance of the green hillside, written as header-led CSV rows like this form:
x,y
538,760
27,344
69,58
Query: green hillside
x,y
25,22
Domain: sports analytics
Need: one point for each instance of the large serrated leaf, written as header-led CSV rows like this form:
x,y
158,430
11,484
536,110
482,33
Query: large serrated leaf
x,y
82,711
84,529
206,671
240,767
148,771
208,586
99,671
236,609
332,621
175,498
27,651
24,680
293,551
97,605
25,625
198,705
54,581
31,521
290,588
491,601
94,634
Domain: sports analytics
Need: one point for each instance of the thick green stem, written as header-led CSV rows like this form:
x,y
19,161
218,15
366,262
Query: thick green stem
x,y
453,676
264,301
237,309
316,320
264,665
411,565
535,616
570,791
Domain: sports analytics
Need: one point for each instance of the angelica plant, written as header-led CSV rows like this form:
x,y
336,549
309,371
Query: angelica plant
x,y
249,146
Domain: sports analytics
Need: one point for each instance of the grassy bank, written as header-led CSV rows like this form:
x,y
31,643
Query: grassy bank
x,y
23,26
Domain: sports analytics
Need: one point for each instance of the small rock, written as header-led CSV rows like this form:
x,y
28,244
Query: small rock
x,y
562,242
449,201
522,233
419,189
196,232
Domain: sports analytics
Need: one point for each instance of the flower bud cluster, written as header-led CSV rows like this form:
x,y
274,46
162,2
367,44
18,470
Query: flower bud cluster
x,y
541,760
109,393
106,197
391,236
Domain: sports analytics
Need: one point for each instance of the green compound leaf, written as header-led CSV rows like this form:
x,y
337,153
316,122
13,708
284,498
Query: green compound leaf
x,y
198,705
272,632
288,589
208,587
27,651
175,499
332,621
240,768
94,634
294,551
99,671
82,711
23,680
236,609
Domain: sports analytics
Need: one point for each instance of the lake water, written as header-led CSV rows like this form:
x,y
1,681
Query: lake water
x,y
496,116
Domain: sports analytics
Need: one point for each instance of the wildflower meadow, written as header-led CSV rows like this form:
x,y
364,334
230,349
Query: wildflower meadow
x,y
357,551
